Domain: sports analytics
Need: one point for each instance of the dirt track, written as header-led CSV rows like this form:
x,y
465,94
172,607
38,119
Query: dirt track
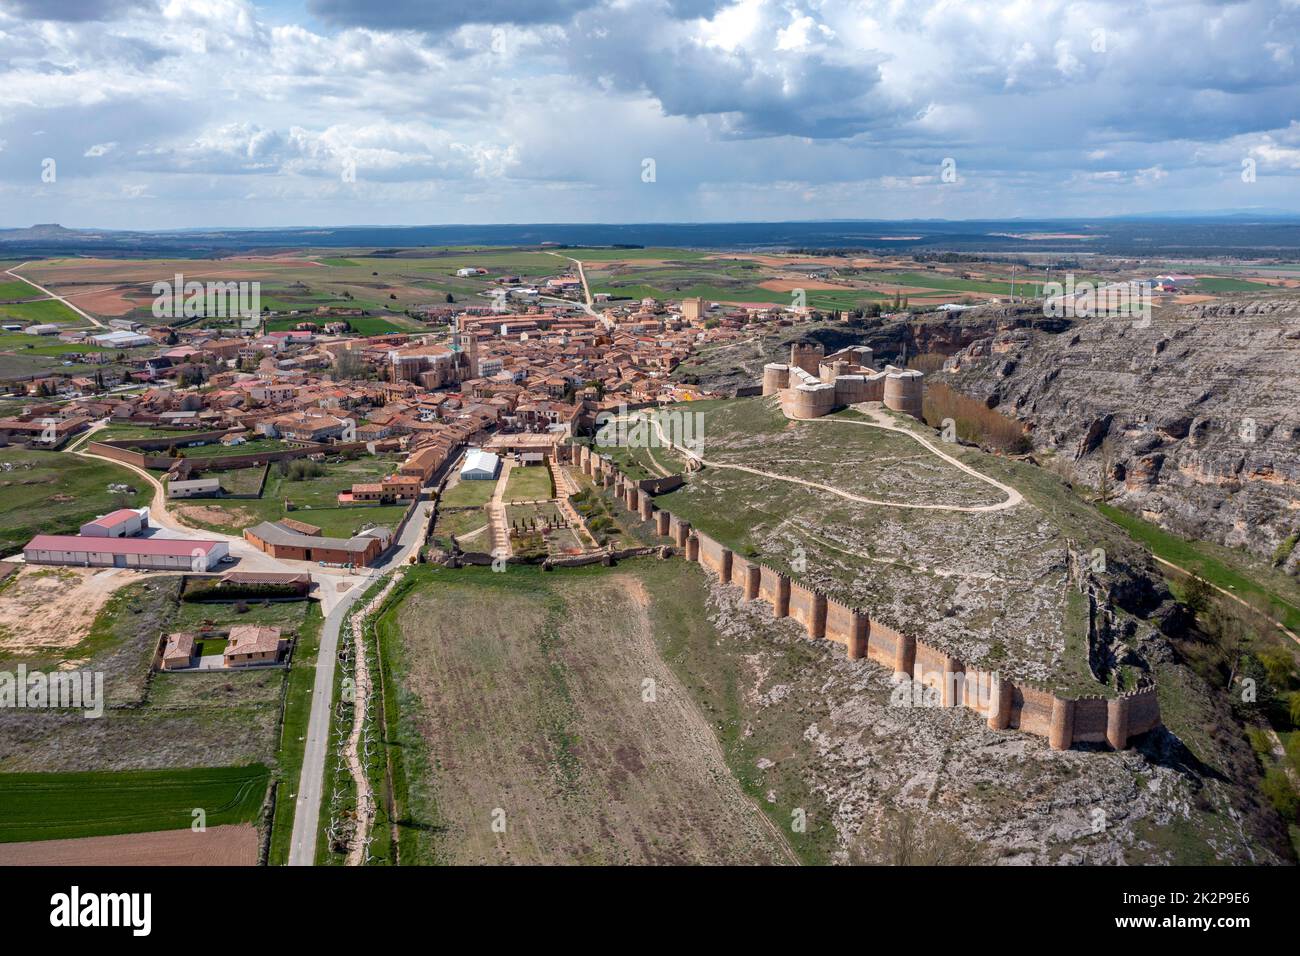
x,y
234,845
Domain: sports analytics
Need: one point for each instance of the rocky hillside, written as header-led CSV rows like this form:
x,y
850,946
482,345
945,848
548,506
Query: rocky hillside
x,y
1196,417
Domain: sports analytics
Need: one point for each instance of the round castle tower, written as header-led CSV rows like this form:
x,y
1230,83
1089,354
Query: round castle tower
x,y
904,391
775,377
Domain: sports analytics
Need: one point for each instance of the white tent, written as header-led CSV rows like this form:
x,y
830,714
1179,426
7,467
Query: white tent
x,y
479,465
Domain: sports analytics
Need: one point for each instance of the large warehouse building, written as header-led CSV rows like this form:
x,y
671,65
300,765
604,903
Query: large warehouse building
x,y
150,554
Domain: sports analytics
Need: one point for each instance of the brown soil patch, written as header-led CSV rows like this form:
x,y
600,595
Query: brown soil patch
x,y
103,301
211,514
231,845
116,272
54,607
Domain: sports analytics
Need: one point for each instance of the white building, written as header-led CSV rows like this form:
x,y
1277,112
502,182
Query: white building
x,y
146,554
479,465
194,488
123,523
121,339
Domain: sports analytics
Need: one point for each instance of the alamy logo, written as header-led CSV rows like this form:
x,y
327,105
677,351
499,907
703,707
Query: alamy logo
x,y
1086,299
193,299
675,428
74,908
65,690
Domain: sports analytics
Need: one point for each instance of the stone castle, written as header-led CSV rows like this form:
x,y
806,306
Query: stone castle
x,y
814,384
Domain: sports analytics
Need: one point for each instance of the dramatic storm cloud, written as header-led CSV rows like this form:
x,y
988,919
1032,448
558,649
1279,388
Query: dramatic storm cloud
x,y
225,112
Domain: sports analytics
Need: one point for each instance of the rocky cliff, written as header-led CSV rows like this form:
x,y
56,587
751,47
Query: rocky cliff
x,y
1196,415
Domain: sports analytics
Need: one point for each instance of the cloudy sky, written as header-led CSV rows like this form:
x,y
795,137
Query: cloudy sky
x,y
184,113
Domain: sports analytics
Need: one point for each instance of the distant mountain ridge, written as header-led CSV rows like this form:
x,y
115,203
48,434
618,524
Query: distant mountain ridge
x,y
1251,233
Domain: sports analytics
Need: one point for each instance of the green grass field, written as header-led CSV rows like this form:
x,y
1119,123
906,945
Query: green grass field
x,y
49,806
16,291
1229,285
315,500
46,310
1220,566
363,325
529,484
293,732
468,494
288,615
44,492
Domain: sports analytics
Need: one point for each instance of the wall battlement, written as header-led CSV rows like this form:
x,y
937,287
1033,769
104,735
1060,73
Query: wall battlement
x,y
1006,704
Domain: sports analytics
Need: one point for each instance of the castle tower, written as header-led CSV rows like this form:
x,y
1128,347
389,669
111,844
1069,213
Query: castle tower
x,y
905,391
806,356
775,377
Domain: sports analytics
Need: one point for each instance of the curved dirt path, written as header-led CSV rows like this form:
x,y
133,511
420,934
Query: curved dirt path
x,y
880,420
1013,499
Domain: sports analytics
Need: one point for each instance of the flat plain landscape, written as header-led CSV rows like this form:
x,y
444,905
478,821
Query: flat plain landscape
x,y
543,702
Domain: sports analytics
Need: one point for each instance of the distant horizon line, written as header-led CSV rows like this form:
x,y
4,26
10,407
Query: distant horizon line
x,y
1271,214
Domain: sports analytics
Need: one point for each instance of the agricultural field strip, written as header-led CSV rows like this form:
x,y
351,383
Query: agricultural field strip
x,y
58,298
1013,498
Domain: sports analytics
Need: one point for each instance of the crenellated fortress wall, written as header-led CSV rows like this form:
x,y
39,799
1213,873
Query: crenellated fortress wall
x,y
1006,704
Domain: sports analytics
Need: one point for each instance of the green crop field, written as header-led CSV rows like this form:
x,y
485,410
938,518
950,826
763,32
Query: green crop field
x,y
46,310
1229,285
947,283
17,291
45,492
48,806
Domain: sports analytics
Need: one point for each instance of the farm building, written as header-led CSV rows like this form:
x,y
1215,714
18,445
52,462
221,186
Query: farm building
x,y
361,550
123,523
479,465
122,339
147,554
251,644
194,488
178,651
43,328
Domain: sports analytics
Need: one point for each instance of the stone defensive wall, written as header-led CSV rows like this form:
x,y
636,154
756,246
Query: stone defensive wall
x,y
949,682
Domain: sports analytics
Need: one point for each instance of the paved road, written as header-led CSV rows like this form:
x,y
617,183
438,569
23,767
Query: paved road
x,y
306,818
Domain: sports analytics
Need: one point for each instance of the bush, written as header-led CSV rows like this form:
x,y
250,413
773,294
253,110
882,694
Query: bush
x,y
226,592
302,468
975,421
1277,788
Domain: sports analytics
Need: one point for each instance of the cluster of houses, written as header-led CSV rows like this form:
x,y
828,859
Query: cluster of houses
x,y
474,376
246,645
